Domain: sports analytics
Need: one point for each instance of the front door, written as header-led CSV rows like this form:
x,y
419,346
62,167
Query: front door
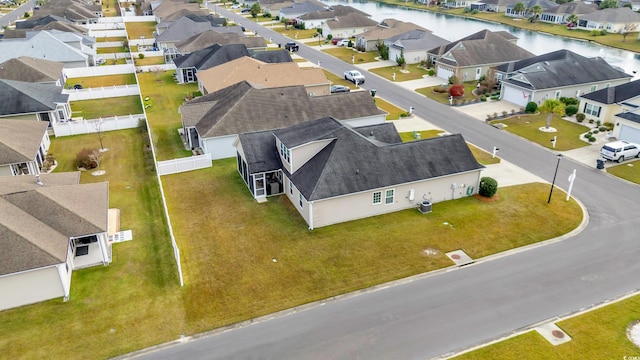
x,y
259,185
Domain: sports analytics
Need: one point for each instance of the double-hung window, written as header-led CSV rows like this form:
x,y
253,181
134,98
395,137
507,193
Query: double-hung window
x,y
389,196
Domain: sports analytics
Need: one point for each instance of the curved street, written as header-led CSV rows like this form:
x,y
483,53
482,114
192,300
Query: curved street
x,y
448,311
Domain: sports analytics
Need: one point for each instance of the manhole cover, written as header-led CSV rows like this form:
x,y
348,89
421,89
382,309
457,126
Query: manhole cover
x,y
455,257
557,334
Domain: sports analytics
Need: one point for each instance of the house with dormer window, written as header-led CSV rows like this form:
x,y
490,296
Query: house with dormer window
x,y
332,172
34,101
23,147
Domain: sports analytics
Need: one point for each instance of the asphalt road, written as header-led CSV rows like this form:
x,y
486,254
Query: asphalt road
x,y
452,310
16,14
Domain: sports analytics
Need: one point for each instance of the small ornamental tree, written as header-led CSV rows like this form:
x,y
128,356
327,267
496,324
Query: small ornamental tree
x,y
456,90
531,107
400,59
383,50
255,10
571,110
488,186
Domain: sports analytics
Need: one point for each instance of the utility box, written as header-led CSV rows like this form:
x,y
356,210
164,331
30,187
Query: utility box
x,y
425,206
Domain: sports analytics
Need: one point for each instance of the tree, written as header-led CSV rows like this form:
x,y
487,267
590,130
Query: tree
x,y
572,19
383,50
400,59
552,106
536,11
519,8
255,10
98,127
627,29
456,90
609,4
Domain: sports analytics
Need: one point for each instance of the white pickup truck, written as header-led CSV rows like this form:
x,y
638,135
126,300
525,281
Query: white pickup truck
x,y
354,76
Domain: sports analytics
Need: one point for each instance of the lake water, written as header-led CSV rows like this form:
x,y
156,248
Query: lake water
x,y
453,28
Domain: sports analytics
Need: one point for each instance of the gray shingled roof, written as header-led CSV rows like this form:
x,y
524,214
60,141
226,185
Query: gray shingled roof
x,y
243,108
31,70
20,140
613,15
480,35
36,224
211,37
23,98
567,69
350,20
272,56
353,163
68,9
303,7
40,20
211,56
484,47
181,29
331,12
615,94
417,40
574,7
631,116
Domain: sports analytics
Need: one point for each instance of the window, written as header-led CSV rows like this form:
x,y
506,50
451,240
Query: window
x,y
285,152
388,196
592,109
300,199
594,88
557,95
377,197
290,187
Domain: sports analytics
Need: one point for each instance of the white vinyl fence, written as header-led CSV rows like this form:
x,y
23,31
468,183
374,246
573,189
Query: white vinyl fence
x,y
77,127
107,33
151,68
98,71
102,92
184,164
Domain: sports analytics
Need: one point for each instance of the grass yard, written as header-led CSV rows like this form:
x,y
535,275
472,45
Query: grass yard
x,y
110,38
338,80
394,112
527,126
598,334
345,54
149,60
112,50
165,97
104,80
628,170
109,8
107,107
443,97
230,274
136,30
115,62
424,134
134,302
292,32
414,72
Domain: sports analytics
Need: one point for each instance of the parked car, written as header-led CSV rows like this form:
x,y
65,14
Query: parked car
x,y
343,42
339,89
354,76
334,41
236,6
245,10
291,46
620,150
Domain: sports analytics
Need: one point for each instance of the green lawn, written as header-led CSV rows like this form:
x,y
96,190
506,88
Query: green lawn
x,y
345,54
394,112
291,32
110,39
149,60
105,80
628,170
598,334
109,8
424,134
135,30
443,97
413,72
527,126
112,50
115,62
107,107
227,250
165,96
134,302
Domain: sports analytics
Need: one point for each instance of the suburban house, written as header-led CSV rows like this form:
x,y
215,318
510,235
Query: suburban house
x,y
332,172
368,40
263,74
212,122
50,225
23,146
33,101
272,6
618,105
198,18
316,19
613,20
497,6
559,14
32,70
349,25
471,57
413,45
80,12
458,3
211,37
165,8
67,48
44,22
561,73
298,9
528,4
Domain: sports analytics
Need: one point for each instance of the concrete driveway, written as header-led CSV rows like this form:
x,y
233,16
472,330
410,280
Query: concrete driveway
x,y
482,109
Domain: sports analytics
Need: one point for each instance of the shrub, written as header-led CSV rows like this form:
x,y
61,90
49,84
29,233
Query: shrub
x,y
456,90
603,32
483,98
495,97
140,56
591,121
267,15
608,125
431,72
569,101
592,139
595,131
602,128
504,113
88,158
474,11
595,33
531,108
329,37
588,135
580,117
495,114
513,111
277,18
571,110
488,186
453,79
439,89
598,122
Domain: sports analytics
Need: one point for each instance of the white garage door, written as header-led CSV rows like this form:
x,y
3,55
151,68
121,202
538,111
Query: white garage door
x,y
444,73
515,95
629,134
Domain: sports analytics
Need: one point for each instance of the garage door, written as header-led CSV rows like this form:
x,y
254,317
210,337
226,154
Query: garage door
x,y
444,73
629,134
515,95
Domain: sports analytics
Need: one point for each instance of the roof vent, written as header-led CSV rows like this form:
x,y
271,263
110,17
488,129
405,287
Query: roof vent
x,y
546,63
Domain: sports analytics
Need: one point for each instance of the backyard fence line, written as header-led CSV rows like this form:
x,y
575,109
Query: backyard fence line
x,y
138,42
108,44
102,92
179,165
145,18
107,33
147,53
149,68
98,71
77,127
104,26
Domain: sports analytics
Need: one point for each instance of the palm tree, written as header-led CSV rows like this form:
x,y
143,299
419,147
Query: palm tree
x,y
552,106
519,8
536,10
572,19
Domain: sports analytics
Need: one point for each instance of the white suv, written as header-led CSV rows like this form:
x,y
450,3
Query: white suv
x,y
620,150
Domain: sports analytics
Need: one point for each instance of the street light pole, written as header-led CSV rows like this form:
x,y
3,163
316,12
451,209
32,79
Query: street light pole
x,y
559,156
